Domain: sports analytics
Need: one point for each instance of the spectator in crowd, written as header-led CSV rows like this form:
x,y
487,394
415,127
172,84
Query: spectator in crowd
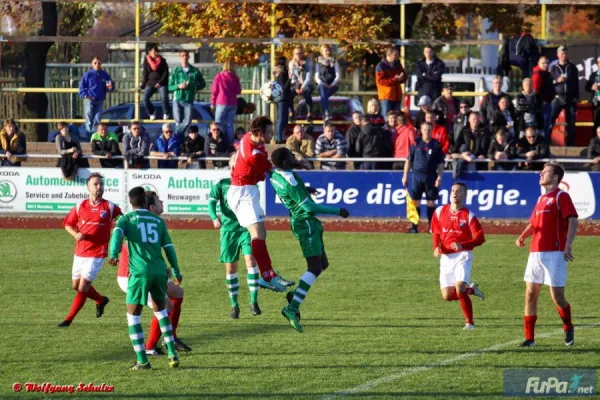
x,y
504,118
566,86
136,146
544,89
439,132
105,143
389,77
184,82
216,145
501,149
287,99
167,146
489,105
239,134
533,147
352,135
528,109
426,160
302,145
300,71
327,76
424,105
193,149
473,143
374,142
225,89
447,106
69,147
155,78
593,86
331,144
403,138
12,143
392,121
373,114
73,128
594,151
429,75
92,89
460,120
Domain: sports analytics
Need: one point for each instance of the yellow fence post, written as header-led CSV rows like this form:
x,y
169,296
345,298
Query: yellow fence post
x,y
544,15
136,62
273,60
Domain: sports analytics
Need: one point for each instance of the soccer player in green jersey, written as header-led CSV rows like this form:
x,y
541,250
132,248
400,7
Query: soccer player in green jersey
x,y
295,196
147,236
234,238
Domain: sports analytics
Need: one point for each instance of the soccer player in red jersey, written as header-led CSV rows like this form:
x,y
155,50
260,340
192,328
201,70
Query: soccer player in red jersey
x,y
553,224
456,232
174,292
89,222
251,166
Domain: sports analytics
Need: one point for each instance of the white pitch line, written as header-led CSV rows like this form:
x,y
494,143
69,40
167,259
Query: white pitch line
x,y
416,370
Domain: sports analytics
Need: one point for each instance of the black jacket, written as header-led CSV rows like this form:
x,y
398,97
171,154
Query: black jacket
x,y
286,85
594,148
429,78
478,142
221,149
499,121
529,110
594,78
569,90
150,78
103,147
374,141
352,135
440,106
489,105
460,121
507,148
191,147
541,147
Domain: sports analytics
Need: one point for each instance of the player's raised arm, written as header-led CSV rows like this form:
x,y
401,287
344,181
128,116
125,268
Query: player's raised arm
x,y
169,249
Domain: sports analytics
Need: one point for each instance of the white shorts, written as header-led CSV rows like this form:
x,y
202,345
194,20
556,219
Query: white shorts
x,y
547,267
455,267
124,283
244,201
86,267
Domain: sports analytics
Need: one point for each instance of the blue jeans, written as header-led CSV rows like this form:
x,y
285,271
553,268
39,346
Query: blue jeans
x,y
325,94
93,113
283,116
546,111
388,105
164,96
225,115
182,123
557,106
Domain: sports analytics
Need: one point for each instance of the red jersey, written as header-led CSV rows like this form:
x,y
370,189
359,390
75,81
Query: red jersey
x,y
251,163
124,262
95,222
450,227
550,221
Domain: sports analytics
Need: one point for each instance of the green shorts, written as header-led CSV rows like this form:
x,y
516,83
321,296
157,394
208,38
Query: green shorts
x,y
309,233
139,287
232,243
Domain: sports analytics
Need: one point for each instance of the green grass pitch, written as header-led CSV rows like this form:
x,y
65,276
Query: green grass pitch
x,y
375,324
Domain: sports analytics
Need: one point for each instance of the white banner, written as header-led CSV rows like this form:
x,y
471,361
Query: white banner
x,y
44,190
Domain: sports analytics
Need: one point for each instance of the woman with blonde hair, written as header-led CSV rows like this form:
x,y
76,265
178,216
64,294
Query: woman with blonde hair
x,y
327,76
223,100
12,142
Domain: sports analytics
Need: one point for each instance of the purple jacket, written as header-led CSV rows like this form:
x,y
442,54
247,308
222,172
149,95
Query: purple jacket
x,y
225,89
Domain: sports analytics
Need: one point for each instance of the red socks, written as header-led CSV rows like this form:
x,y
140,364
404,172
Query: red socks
x,y
77,305
94,295
154,334
454,297
529,326
565,314
466,307
175,313
260,253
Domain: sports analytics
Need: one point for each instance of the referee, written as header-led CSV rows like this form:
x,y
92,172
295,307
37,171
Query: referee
x,y
426,159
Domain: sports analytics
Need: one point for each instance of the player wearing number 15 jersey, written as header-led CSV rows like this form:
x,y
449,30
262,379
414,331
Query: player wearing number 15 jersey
x,y
456,232
553,225
147,237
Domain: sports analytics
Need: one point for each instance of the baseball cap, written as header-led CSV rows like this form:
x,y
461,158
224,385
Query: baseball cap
x,y
465,102
563,48
447,85
424,101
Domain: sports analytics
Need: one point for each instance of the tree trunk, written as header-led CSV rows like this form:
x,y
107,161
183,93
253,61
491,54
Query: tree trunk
x,y
36,104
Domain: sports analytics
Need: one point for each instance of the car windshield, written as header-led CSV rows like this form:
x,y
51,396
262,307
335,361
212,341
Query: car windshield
x,y
116,113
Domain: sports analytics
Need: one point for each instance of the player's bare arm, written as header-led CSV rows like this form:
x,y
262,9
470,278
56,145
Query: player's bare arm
x,y
406,169
528,231
440,174
571,232
73,232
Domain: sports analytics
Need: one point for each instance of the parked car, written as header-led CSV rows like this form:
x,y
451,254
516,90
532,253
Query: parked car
x,y
201,111
340,109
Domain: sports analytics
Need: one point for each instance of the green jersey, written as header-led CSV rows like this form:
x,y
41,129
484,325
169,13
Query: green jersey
x,y
147,236
218,194
292,191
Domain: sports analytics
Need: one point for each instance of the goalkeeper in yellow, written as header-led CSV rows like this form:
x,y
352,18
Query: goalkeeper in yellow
x,y
295,196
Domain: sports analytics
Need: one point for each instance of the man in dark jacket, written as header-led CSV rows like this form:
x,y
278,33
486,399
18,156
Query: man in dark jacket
x,y
105,143
285,106
216,145
168,147
429,74
155,78
533,147
374,142
594,151
565,78
448,106
460,120
93,87
593,86
489,105
193,148
473,143
352,135
528,109
136,146
501,149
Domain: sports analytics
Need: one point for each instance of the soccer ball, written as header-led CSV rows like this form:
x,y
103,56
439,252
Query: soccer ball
x,y
271,92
